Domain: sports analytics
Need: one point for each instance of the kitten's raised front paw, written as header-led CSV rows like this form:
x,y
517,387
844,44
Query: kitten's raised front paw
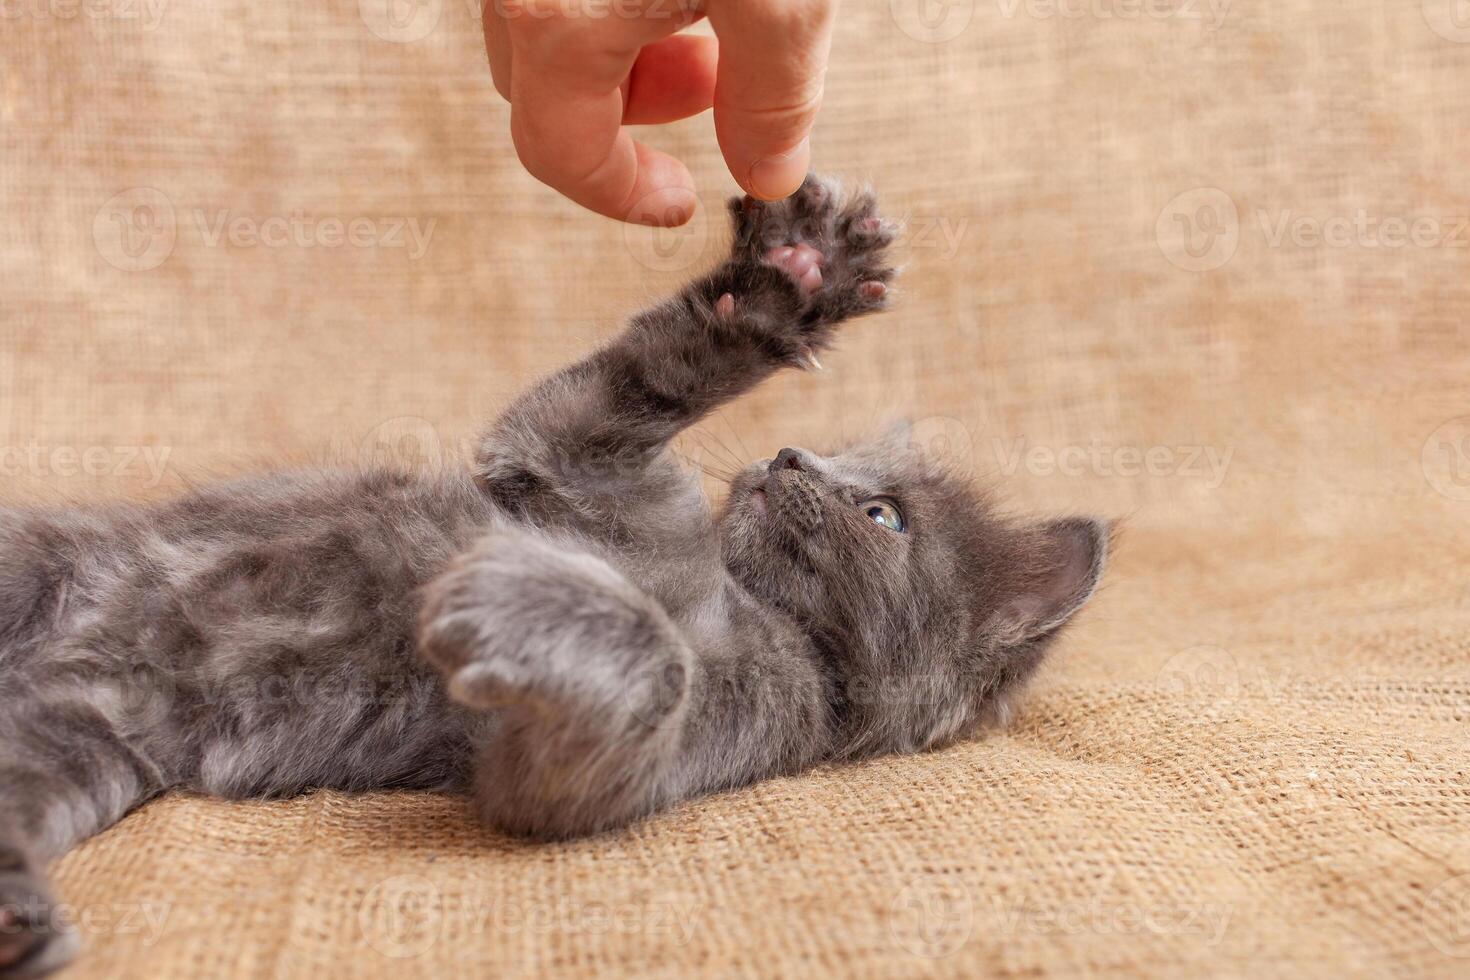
x,y
34,938
830,247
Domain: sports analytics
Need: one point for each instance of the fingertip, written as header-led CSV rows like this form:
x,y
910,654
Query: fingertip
x,y
778,175
668,207
665,196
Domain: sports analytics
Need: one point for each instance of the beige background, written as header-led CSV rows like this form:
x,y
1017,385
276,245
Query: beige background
x,y
1251,757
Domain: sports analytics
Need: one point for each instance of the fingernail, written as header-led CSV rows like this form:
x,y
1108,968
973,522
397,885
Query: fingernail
x,y
775,177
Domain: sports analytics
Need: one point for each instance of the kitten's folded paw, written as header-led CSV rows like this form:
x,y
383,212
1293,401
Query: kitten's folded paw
x,y
583,676
558,638
34,938
831,248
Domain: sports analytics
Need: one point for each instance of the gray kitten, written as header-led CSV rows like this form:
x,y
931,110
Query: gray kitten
x,y
566,628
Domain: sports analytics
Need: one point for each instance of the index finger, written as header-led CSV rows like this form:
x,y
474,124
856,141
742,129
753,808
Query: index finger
x,y
773,63
567,113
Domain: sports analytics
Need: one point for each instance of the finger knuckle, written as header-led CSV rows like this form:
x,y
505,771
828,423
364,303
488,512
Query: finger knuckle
x,y
781,120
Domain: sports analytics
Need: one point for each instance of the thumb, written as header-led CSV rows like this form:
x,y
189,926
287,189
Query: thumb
x,y
773,60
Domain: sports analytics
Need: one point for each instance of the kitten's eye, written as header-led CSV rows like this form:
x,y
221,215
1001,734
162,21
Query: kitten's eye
x,y
883,511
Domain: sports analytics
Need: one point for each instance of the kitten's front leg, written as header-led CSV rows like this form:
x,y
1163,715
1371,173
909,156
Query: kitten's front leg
x,y
596,710
581,677
597,430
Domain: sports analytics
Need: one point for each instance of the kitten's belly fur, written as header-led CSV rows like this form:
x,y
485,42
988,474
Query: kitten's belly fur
x,y
251,640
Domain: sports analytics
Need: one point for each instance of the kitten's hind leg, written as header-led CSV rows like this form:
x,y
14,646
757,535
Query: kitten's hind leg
x,y
585,675
65,774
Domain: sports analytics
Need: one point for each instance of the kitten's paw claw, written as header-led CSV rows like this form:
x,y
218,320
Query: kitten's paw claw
x,y
806,359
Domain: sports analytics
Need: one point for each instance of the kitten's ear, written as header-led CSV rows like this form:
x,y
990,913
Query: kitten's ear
x,y
1064,572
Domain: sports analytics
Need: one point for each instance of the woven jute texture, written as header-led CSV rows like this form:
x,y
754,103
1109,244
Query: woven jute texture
x,y
1200,266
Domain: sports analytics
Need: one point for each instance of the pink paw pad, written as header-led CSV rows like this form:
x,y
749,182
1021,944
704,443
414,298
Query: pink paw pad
x,y
801,262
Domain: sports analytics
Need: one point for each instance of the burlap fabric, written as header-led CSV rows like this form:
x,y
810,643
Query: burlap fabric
x,y
1201,267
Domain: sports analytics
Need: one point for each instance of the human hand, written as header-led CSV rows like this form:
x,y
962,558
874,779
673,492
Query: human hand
x,y
577,71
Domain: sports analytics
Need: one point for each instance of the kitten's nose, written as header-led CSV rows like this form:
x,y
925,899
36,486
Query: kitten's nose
x,y
787,459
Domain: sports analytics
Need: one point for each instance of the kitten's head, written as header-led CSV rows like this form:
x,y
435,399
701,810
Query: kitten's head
x,y
929,608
